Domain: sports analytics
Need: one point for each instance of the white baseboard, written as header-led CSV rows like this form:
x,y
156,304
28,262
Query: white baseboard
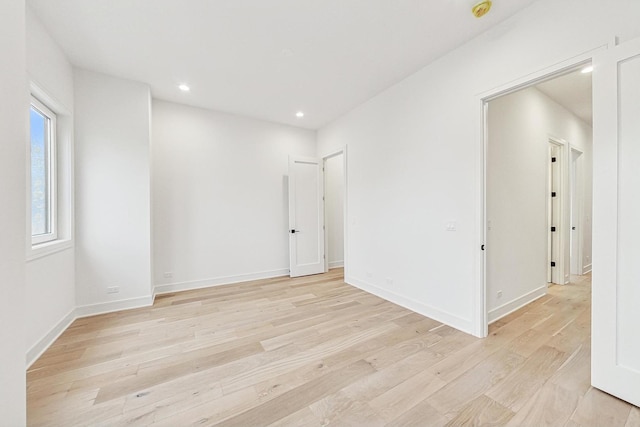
x,y
218,281
49,338
586,269
111,306
336,264
511,306
441,316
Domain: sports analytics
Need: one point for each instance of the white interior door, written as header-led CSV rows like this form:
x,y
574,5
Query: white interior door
x,y
615,365
555,219
306,216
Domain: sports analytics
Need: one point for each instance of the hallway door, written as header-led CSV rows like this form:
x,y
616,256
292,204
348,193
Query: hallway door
x,y
615,366
306,216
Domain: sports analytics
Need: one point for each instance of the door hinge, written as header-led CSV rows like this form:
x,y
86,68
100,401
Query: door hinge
x,y
553,194
553,229
553,263
553,160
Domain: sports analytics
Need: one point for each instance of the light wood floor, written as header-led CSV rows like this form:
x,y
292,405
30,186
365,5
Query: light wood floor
x,y
315,351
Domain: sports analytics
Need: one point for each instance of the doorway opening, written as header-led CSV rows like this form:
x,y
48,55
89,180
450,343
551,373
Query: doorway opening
x,y
334,165
537,173
577,214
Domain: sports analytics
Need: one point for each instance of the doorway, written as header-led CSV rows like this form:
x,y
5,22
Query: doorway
x,y
334,165
317,189
576,212
533,181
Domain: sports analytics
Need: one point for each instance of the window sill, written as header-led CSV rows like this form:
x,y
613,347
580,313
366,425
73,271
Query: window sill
x,y
45,249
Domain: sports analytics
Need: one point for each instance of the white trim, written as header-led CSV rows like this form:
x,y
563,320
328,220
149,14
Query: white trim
x,y
111,306
44,249
452,320
511,306
336,264
50,337
217,281
586,269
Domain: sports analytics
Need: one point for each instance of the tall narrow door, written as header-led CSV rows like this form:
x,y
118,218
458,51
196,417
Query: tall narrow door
x,y
615,361
306,216
555,219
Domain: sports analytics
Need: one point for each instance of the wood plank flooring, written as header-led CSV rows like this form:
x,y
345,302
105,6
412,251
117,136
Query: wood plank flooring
x,y
314,351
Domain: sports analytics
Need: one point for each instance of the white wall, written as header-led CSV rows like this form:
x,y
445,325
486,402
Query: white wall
x,y
113,223
519,127
334,209
415,157
220,195
13,133
50,284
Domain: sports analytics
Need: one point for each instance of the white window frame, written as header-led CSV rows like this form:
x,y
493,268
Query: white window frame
x,y
52,166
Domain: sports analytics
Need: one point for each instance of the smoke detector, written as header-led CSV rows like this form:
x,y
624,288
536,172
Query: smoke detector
x,y
481,8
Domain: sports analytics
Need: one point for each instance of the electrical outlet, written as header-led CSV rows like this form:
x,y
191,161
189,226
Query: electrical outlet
x,y
168,275
113,290
451,226
499,294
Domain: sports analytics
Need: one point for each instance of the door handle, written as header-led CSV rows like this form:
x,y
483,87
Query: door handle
x,y
294,231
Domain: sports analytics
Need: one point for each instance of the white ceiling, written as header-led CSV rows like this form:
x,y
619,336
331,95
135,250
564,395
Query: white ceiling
x,y
265,58
573,92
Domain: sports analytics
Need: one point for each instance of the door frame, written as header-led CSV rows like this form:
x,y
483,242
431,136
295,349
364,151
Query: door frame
x,y
480,315
342,151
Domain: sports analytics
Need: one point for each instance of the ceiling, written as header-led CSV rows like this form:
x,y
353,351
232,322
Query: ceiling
x,y
573,92
265,59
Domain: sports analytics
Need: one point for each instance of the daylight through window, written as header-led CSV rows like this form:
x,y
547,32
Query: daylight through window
x,y
43,173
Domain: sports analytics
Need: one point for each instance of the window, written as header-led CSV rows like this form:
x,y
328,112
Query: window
x,y
43,174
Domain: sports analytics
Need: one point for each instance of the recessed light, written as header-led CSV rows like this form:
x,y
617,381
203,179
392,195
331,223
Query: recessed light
x,y
299,114
183,87
587,69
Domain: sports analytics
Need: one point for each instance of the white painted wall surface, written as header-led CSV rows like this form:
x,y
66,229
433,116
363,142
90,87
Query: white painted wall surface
x,y
50,280
220,195
113,241
519,127
334,200
415,158
13,135
47,65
